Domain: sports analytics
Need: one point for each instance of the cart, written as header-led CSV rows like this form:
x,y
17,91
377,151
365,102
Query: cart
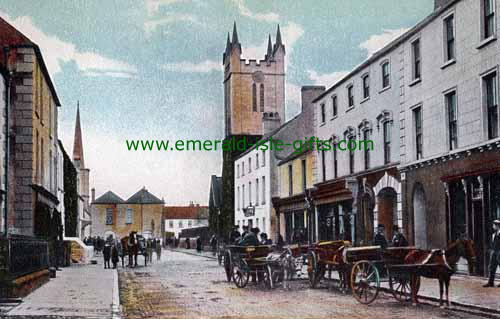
x,y
326,255
242,261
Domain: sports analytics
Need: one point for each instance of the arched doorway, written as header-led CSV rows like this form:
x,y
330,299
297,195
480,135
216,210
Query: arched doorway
x,y
387,212
366,226
419,216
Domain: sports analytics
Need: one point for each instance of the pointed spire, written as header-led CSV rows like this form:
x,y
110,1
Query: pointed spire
x,y
278,37
269,47
78,145
228,43
235,34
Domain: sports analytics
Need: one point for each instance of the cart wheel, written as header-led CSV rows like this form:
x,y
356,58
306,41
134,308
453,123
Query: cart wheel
x,y
365,282
312,269
240,277
400,288
228,266
268,277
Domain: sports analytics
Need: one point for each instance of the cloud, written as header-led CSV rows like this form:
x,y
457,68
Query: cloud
x,y
151,25
293,100
152,6
190,67
378,41
266,17
327,79
56,51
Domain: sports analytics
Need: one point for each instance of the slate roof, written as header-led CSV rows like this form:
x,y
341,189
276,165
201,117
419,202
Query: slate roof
x,y
144,197
215,199
109,198
183,212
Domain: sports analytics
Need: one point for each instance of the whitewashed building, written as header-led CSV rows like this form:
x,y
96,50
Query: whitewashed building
x,y
178,218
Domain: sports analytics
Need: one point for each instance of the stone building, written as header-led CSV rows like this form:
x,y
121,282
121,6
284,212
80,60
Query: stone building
x,y
4,108
178,218
84,218
450,159
141,212
251,89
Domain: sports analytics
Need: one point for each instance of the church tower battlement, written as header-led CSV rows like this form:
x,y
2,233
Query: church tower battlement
x,y
252,87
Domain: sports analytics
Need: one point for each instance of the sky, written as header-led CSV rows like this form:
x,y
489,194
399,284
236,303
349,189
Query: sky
x,y
152,69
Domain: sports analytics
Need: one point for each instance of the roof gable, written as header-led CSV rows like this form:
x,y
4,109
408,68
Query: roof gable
x,y
144,197
109,198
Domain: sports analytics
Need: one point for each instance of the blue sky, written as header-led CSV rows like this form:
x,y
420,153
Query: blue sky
x,y
151,69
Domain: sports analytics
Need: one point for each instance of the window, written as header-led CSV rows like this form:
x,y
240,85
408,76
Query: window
x,y
366,86
254,97
488,18
322,112
257,160
449,36
387,142
335,163
128,216
190,223
109,216
256,222
350,95
351,155
263,158
290,180
238,198
180,224
242,168
366,138
334,106
491,94
249,193
171,224
249,164
238,171
323,165
304,175
243,196
451,106
263,224
386,76
263,190
257,192
417,115
416,59
262,97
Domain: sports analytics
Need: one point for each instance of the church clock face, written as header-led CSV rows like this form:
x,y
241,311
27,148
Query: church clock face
x,y
258,76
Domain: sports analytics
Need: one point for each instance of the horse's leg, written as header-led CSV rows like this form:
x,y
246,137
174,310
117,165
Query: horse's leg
x,y
413,287
447,285
440,291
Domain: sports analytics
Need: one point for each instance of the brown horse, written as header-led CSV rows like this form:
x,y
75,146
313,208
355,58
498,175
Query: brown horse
x,y
130,247
440,264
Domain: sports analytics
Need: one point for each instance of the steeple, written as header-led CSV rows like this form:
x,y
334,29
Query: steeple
x,y
269,48
78,145
278,37
228,44
235,34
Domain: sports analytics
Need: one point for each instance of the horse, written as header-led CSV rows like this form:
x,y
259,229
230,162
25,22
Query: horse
x,y
130,247
440,264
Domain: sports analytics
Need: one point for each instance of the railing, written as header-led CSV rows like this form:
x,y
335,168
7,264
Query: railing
x,y
21,255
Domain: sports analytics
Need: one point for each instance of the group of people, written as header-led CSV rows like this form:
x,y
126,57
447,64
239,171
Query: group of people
x,y
153,245
111,251
249,237
398,239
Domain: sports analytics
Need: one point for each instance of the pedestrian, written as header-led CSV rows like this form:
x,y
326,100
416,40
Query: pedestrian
x,y
379,239
495,253
213,244
235,234
398,239
106,253
158,249
114,254
199,247
188,243
149,250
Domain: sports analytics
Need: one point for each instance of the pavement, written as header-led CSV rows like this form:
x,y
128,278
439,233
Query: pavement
x,y
79,291
465,292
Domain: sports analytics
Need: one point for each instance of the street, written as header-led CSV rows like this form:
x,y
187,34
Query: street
x,y
189,286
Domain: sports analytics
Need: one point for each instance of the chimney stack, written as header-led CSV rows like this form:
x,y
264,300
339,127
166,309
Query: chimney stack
x,y
270,122
308,94
93,194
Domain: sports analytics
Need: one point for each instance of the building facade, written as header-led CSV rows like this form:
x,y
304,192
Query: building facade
x,y
178,218
251,89
142,213
450,157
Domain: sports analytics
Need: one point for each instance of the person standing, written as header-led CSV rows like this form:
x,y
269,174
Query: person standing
x,y
495,253
398,239
235,234
158,249
213,244
198,245
149,250
379,239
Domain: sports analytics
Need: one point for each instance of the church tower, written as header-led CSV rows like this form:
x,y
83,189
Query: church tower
x,y
254,94
83,180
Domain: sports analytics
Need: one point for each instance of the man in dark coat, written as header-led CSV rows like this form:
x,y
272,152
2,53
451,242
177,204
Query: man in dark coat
x,y
250,238
398,239
199,247
235,234
495,253
379,239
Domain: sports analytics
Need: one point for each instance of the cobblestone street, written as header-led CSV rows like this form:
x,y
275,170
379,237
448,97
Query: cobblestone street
x,y
187,286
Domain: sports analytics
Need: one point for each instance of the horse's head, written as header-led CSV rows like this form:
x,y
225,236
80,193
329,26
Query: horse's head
x,y
465,249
